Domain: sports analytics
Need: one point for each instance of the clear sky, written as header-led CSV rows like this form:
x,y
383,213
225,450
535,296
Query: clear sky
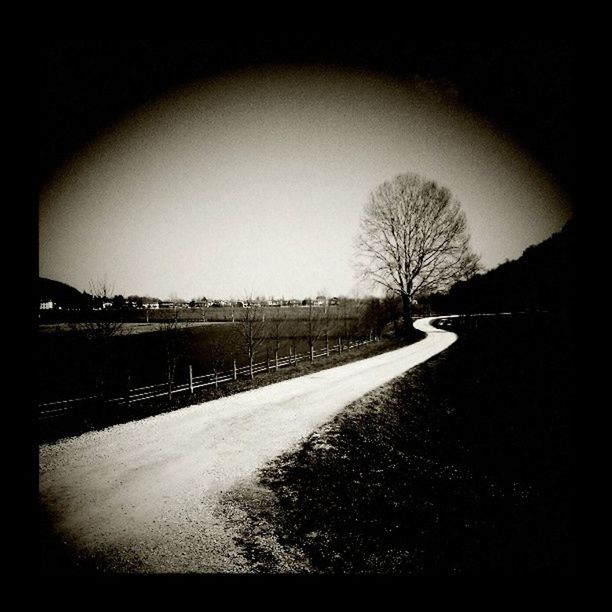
x,y
253,183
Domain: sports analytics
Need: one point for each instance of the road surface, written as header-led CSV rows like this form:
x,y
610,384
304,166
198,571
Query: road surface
x,y
142,496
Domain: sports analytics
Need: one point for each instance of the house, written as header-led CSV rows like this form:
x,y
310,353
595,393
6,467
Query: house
x,y
48,305
311,302
152,305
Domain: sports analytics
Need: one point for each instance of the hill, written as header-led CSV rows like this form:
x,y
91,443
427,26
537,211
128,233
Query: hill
x,y
543,278
60,293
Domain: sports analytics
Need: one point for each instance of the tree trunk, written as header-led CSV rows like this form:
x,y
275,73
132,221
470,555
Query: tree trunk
x,y
408,331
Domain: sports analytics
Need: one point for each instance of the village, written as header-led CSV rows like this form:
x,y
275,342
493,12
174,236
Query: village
x,y
118,302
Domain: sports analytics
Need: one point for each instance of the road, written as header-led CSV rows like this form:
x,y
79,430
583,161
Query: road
x,y
142,496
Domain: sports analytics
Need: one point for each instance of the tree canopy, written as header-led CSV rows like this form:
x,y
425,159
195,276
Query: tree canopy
x,y
413,240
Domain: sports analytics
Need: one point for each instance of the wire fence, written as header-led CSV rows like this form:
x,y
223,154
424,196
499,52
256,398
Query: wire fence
x,y
59,408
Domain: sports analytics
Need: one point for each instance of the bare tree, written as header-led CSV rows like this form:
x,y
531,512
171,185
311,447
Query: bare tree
x,y
357,322
315,325
250,334
326,326
173,341
217,356
413,239
98,329
276,328
374,317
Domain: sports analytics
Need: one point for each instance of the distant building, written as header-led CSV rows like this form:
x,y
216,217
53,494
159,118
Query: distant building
x,y
333,301
48,305
153,305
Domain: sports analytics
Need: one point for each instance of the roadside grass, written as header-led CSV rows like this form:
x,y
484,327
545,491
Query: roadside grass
x,y
91,419
464,465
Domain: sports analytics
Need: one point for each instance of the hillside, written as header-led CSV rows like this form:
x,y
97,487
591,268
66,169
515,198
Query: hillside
x,y
59,293
543,278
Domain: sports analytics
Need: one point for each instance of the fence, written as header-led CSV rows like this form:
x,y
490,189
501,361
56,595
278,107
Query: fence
x,y
50,410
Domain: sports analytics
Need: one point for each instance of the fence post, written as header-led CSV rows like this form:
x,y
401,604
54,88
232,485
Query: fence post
x,y
190,380
339,344
311,353
276,360
267,360
235,371
216,380
290,356
326,345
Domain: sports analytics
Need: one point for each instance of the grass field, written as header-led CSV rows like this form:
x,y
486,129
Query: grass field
x,y
465,465
67,362
221,314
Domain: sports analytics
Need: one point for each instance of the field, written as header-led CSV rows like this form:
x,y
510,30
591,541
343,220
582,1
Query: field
x,y
465,465
69,363
222,314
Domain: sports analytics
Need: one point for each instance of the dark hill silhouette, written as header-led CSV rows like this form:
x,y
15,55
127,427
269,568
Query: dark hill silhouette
x,y
60,293
543,278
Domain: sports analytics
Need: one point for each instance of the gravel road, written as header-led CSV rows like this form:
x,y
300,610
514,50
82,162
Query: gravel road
x,y
142,496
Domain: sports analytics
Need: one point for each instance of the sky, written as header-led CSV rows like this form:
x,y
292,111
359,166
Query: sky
x,y
253,182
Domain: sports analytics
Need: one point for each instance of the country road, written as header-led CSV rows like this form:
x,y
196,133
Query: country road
x,y
142,496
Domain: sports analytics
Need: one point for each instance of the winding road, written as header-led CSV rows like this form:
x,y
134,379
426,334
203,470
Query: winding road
x,y
143,496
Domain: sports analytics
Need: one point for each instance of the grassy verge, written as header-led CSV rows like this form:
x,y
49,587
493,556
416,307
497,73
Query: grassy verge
x,y
462,466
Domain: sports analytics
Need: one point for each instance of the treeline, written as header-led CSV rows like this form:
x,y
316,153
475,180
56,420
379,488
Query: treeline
x,y
542,279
